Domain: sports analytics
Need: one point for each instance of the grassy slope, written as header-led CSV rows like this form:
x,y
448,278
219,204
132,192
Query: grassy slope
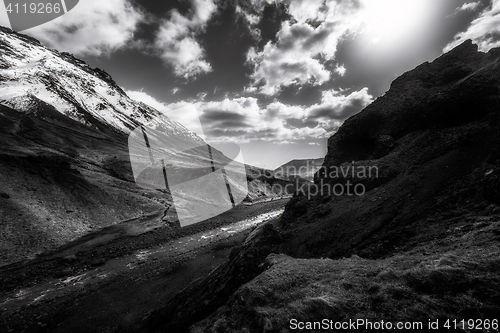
x,y
428,282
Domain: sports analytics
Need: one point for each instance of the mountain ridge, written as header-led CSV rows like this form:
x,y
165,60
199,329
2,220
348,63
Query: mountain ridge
x,y
31,71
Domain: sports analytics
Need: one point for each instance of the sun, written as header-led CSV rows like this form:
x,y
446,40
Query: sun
x,y
390,21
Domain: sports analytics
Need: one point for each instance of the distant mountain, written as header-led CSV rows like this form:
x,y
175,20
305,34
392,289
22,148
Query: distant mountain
x,y
419,240
305,168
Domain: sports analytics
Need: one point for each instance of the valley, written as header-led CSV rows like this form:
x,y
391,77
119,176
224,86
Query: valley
x,y
86,247
100,272
80,239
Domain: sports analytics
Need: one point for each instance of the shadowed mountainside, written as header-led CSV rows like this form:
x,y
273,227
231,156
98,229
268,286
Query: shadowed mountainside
x,y
421,243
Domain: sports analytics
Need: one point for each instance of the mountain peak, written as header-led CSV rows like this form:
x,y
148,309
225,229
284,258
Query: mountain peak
x,y
466,46
457,87
88,95
24,37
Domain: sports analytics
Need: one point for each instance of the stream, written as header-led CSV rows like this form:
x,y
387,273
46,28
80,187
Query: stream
x,y
169,251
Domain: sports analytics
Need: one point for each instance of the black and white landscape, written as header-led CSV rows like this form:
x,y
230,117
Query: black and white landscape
x,y
399,223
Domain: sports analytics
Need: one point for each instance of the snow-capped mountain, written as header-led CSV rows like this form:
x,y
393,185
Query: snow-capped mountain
x,y
29,72
65,166
66,155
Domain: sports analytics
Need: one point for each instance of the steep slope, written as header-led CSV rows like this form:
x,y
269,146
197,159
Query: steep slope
x,y
419,243
60,179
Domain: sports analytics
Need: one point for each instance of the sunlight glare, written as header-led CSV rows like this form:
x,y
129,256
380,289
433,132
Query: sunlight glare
x,y
388,21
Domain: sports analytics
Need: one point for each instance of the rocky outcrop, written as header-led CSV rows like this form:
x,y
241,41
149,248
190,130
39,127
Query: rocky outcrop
x,y
97,72
457,88
23,37
432,138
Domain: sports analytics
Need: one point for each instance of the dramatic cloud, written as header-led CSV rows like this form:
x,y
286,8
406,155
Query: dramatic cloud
x,y
340,70
484,31
267,71
303,10
291,61
243,120
176,40
335,107
93,27
303,45
469,6
304,49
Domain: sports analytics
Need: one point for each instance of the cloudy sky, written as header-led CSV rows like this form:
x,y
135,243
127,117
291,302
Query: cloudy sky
x,y
278,77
